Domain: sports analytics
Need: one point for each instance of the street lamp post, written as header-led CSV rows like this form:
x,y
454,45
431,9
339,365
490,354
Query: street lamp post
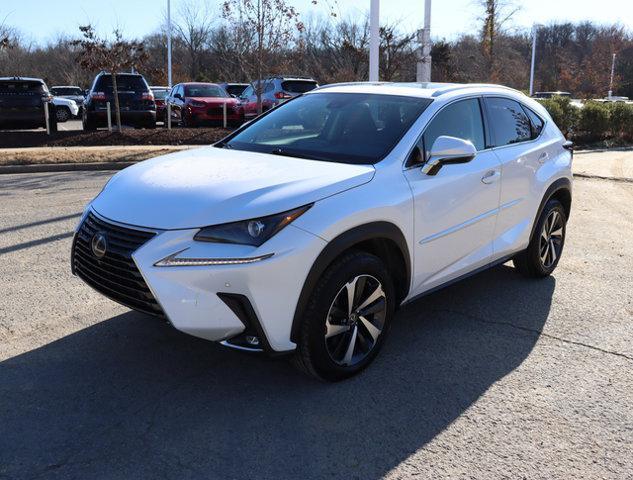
x,y
423,71
374,40
169,43
534,32
611,81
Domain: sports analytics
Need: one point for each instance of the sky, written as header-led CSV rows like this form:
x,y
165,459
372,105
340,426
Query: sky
x,y
43,20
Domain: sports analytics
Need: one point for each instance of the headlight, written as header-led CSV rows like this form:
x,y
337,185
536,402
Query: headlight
x,y
249,232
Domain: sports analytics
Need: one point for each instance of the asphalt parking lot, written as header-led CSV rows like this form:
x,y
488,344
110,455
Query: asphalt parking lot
x,y
494,377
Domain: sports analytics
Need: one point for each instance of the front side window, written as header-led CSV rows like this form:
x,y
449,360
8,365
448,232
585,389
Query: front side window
x,y
509,122
461,119
338,127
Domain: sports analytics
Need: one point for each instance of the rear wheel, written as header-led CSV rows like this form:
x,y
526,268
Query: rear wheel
x,y
546,246
347,318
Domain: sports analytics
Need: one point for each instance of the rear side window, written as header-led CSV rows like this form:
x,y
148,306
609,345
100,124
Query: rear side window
x,y
298,86
21,87
124,83
509,122
461,120
536,122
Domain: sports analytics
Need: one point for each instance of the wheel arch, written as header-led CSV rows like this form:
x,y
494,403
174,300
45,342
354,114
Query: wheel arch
x,y
383,239
560,190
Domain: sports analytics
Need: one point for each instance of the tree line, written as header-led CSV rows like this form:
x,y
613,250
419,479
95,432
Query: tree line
x,y
247,40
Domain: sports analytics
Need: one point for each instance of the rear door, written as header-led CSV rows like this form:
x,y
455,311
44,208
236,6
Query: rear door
x,y
456,209
517,146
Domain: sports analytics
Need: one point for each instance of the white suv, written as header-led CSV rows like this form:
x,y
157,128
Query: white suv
x,y
306,229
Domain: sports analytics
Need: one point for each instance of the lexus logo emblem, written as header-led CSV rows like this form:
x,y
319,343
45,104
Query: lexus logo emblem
x,y
99,245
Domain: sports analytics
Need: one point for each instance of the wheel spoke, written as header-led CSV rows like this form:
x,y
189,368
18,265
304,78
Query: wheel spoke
x,y
552,248
553,221
371,328
377,306
375,295
558,232
545,254
333,330
347,359
351,290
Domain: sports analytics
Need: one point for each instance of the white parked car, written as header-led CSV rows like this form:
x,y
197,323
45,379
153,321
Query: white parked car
x,y
306,229
65,109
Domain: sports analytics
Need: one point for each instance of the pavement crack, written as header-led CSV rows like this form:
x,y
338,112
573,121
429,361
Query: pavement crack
x,y
538,333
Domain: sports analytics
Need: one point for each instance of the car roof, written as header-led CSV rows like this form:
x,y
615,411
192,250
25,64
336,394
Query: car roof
x,y
413,89
66,86
158,87
26,79
199,83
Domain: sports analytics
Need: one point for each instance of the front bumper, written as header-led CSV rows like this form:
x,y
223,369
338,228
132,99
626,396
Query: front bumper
x,y
188,295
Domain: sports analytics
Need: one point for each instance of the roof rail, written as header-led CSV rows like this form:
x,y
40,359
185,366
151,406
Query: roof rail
x,y
461,86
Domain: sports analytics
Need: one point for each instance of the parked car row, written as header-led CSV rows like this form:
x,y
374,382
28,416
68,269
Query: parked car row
x,y
191,103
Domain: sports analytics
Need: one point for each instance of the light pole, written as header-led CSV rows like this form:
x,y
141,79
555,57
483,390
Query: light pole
x,y
169,43
611,81
423,70
534,33
374,40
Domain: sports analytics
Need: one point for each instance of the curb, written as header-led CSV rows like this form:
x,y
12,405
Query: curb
x,y
63,167
602,177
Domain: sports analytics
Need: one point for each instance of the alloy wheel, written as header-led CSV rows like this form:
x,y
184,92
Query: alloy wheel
x,y
551,240
355,320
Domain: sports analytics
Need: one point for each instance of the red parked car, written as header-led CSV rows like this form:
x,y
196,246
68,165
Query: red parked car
x,y
196,103
160,93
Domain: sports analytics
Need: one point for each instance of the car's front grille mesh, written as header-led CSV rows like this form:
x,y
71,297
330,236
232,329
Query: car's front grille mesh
x,y
115,274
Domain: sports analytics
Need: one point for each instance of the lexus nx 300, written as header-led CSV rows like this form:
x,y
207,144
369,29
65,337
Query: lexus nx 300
x,y
303,231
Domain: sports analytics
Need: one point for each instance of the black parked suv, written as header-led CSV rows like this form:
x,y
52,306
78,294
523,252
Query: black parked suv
x,y
22,103
136,101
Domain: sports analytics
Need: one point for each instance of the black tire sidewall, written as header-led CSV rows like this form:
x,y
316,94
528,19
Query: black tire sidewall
x,y
313,328
533,252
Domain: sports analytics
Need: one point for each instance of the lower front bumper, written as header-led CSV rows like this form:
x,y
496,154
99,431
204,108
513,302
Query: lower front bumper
x,y
194,297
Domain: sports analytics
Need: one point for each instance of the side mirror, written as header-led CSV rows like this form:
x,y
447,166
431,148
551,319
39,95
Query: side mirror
x,y
448,150
177,95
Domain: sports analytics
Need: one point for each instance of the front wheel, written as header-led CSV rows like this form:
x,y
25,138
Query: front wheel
x,y
63,114
347,318
546,246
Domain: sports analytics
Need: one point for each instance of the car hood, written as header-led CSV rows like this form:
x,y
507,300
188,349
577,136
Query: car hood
x,y
64,101
213,99
210,186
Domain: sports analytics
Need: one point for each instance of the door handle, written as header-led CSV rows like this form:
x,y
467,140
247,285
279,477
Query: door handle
x,y
491,176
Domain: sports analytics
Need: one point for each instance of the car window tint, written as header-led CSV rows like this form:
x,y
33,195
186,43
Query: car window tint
x,y
22,87
510,124
536,121
298,86
337,127
461,120
132,83
204,91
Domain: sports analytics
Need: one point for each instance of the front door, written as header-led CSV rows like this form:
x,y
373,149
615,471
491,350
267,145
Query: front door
x,y
456,209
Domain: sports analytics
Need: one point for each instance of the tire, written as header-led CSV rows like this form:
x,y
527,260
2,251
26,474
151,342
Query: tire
x,y
62,114
328,357
88,125
186,121
546,246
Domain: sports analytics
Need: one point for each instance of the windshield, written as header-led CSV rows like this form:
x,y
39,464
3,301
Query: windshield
x,y
124,83
204,91
21,86
160,94
337,127
66,91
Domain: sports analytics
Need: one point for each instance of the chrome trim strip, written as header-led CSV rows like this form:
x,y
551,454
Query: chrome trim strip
x,y
456,228
225,343
470,222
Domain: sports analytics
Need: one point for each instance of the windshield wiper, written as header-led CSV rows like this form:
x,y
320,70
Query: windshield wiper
x,y
285,153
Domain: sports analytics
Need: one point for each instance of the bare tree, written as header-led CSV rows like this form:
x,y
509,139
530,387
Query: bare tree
x,y
270,23
194,28
496,15
113,56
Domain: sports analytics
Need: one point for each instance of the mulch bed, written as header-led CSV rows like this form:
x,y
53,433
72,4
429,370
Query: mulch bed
x,y
160,136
